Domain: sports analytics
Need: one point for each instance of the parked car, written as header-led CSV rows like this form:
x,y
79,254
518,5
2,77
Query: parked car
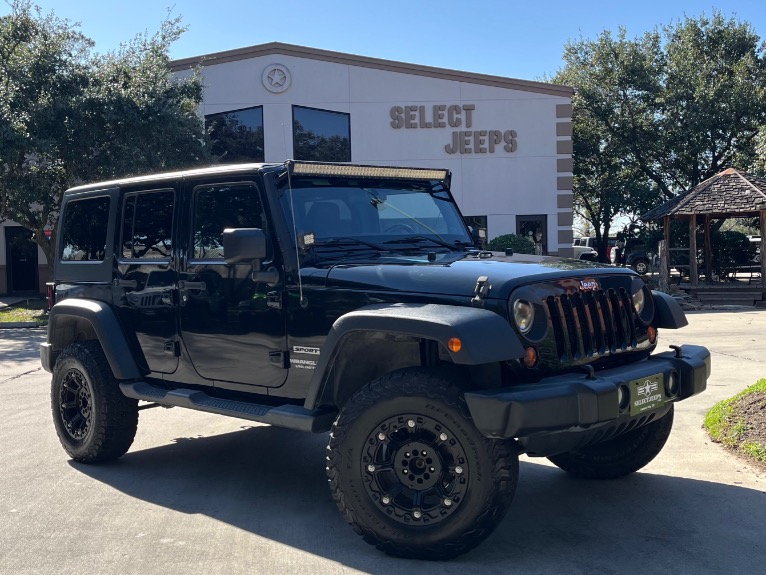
x,y
634,255
351,299
586,248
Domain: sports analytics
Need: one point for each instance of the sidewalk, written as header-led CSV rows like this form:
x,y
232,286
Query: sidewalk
x,y
5,301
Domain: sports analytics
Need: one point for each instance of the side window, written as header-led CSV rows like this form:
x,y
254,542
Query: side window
x,y
147,225
219,207
84,229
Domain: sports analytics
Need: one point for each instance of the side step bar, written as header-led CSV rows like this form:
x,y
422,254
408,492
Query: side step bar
x,y
290,416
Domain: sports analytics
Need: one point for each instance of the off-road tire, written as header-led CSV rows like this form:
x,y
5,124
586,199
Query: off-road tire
x,y
641,266
93,419
430,399
620,456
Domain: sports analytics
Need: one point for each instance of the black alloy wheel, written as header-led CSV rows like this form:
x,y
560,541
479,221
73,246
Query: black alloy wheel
x,y
418,470
93,419
75,404
410,472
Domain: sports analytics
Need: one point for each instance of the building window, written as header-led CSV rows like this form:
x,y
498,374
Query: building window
x,y
321,135
237,136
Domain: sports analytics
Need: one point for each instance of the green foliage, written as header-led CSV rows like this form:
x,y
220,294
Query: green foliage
x,y
519,244
725,424
658,114
68,116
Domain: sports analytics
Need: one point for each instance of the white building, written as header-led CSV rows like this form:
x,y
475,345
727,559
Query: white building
x,y
507,141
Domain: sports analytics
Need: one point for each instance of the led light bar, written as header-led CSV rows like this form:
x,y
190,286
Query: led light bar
x,y
321,169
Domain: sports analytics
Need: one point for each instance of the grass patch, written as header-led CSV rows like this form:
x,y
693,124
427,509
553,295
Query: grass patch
x,y
31,310
740,422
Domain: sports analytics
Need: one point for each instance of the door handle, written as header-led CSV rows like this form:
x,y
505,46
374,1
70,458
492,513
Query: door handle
x,y
191,285
128,284
166,297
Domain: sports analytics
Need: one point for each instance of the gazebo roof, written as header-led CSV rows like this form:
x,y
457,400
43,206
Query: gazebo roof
x,y
732,193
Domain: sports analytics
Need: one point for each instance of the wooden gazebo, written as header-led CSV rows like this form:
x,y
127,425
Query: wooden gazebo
x,y
729,194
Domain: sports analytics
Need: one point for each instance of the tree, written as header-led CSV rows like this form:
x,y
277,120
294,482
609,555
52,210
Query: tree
x,y
69,116
657,115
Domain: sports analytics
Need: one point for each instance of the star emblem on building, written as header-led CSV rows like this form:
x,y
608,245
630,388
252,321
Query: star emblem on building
x,y
277,78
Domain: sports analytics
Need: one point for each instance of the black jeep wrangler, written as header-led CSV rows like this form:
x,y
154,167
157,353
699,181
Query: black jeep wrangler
x,y
351,299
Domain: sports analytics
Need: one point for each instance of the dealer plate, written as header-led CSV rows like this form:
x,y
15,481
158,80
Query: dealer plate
x,y
646,393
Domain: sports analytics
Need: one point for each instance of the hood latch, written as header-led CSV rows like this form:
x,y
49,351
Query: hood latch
x,y
480,291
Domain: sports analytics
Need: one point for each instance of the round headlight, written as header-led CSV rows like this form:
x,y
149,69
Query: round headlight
x,y
639,300
523,315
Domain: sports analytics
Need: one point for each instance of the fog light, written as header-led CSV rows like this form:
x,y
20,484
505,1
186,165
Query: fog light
x,y
530,357
623,397
652,332
673,383
454,344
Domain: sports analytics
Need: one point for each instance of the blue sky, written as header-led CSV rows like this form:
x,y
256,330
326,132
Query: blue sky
x,y
513,38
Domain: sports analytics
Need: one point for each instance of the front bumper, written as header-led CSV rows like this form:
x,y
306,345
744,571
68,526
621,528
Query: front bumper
x,y
578,404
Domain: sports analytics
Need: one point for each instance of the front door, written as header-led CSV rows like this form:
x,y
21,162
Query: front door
x,y
534,228
21,255
233,328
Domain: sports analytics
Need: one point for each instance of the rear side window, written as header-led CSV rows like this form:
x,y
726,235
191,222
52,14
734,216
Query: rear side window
x,y
84,229
147,225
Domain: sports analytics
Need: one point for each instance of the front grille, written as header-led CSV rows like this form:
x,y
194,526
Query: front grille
x,y
592,323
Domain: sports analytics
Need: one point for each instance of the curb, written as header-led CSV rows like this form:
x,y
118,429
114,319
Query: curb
x,y
16,324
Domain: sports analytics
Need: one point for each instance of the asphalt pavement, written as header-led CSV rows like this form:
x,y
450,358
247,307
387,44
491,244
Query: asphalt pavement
x,y
200,493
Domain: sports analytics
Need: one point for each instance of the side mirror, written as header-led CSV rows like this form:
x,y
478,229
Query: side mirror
x,y
243,245
248,246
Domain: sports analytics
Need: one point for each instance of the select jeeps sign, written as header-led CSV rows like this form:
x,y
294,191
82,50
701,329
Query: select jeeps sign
x,y
464,141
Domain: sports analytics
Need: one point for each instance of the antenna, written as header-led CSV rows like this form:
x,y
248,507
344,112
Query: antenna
x,y
303,301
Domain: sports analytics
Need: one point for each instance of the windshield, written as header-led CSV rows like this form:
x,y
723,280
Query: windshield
x,y
374,212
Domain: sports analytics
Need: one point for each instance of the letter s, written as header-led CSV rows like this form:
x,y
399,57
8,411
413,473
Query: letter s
x,y
397,117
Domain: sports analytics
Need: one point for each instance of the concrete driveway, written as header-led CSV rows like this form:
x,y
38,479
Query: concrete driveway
x,y
199,493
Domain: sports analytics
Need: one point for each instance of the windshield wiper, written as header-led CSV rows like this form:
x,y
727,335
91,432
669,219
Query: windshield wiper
x,y
349,241
457,246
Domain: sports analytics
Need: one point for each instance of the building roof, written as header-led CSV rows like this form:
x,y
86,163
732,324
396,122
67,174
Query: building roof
x,y
730,193
278,48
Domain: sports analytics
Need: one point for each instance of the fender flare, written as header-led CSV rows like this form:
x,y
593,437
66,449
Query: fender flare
x,y
486,336
667,311
106,326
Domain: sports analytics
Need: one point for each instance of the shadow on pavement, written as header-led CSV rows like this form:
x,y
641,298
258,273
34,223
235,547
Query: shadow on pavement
x,y
270,482
19,345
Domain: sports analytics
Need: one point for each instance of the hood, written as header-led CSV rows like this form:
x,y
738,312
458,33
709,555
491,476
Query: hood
x,y
450,274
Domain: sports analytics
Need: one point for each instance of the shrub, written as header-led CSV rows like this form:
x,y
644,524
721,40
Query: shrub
x,y
519,244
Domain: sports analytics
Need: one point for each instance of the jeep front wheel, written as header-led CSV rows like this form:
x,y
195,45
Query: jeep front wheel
x,y
620,456
411,473
641,266
93,419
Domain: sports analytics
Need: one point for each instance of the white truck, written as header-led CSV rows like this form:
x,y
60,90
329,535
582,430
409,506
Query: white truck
x,y
585,249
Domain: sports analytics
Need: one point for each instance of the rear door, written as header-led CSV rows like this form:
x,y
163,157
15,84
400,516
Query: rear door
x,y
233,328
146,265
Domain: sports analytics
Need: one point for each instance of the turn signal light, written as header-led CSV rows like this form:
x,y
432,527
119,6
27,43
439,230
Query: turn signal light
x,y
652,332
530,357
454,344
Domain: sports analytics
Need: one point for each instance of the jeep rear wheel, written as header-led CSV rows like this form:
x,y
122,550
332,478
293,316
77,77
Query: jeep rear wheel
x,y
93,419
411,473
641,266
620,456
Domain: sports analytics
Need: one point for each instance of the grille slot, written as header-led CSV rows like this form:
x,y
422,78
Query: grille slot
x,y
591,323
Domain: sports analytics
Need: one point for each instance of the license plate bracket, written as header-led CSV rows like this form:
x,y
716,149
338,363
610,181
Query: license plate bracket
x,y
647,393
